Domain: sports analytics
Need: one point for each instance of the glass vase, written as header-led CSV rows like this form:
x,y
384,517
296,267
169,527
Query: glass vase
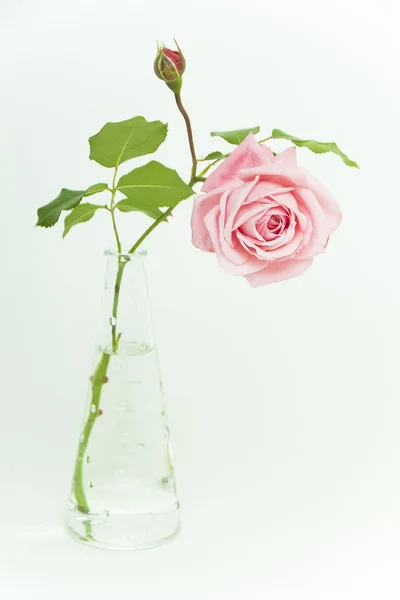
x,y
123,492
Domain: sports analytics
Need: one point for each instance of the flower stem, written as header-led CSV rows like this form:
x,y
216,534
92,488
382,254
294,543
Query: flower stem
x,y
117,289
193,175
98,380
183,112
116,231
266,140
161,218
112,210
208,167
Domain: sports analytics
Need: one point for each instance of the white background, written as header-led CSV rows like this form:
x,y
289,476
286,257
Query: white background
x,y
284,400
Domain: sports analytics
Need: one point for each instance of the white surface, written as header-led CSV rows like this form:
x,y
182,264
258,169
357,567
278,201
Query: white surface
x,y
283,401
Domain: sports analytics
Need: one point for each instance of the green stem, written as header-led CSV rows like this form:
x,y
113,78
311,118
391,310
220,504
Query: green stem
x,y
208,167
114,178
116,231
98,380
161,218
112,210
266,140
120,272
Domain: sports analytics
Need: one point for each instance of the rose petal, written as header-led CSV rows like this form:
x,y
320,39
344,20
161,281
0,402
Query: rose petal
x,y
232,251
285,198
279,271
233,204
278,173
249,211
249,228
250,266
266,189
247,154
284,246
288,157
202,205
268,153
316,243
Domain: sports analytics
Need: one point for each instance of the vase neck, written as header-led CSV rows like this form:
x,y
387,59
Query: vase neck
x,y
127,326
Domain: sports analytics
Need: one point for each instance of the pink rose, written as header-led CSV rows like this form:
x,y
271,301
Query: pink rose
x,y
263,216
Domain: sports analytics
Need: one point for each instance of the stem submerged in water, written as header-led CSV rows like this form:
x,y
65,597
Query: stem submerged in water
x,y
98,380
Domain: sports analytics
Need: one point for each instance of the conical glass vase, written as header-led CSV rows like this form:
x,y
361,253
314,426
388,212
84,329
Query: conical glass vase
x,y
123,492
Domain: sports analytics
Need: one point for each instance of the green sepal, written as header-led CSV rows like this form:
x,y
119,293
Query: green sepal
x,y
175,85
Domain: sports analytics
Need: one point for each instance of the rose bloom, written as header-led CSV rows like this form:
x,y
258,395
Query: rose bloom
x,y
263,216
169,64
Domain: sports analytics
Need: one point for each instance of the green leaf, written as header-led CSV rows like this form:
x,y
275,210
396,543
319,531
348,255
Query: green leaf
x,y
118,142
80,214
129,205
235,137
49,214
214,156
153,186
96,188
317,147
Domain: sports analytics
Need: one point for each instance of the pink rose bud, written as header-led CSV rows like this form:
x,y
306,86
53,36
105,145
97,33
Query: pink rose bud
x,y
169,66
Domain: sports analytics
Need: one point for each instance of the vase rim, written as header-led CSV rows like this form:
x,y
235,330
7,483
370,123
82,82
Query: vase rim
x,y
139,254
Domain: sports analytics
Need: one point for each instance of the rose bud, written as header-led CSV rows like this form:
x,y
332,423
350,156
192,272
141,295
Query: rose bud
x,y
169,66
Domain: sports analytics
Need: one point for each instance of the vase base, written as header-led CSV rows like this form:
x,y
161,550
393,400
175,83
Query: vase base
x,y
123,532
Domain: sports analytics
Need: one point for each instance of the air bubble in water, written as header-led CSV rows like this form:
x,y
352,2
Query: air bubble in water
x,y
93,408
113,321
82,439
